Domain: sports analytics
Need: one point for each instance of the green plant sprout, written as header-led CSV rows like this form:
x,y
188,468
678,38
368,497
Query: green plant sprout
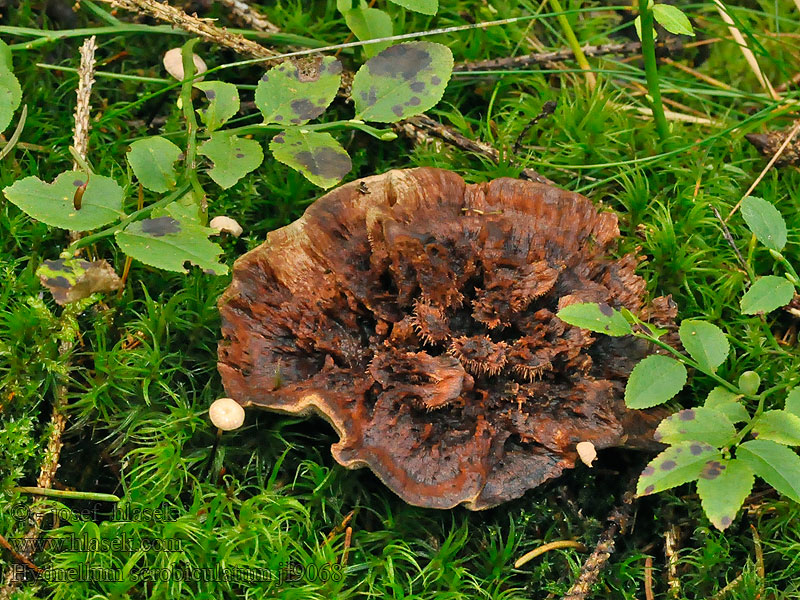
x,y
398,82
704,444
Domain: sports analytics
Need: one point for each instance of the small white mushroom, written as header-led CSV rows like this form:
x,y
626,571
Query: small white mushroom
x,y
226,414
173,63
586,452
226,225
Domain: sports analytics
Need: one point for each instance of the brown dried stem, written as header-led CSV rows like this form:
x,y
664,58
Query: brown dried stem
x,y
248,16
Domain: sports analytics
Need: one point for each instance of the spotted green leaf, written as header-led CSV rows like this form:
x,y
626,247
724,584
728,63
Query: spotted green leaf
x,y
426,7
726,402
696,424
653,381
600,318
766,294
233,157
53,203
71,279
677,465
402,81
293,93
779,426
765,221
369,24
316,155
793,402
223,103
723,490
706,343
776,464
167,241
672,19
152,160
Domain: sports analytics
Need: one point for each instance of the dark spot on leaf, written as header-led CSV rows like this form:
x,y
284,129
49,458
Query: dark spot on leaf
x,y
160,226
398,110
239,155
696,449
435,80
265,78
668,465
279,139
605,309
305,109
649,489
211,94
84,264
402,60
279,117
607,328
712,469
56,265
413,101
325,162
335,67
417,86
648,470
78,183
61,282
686,415
295,121
755,434
725,521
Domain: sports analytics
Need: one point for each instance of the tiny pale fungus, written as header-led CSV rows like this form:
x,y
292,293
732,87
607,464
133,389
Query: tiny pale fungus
x,y
226,414
173,63
226,225
586,452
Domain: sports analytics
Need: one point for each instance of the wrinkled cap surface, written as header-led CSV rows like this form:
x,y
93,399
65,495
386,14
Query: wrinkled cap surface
x,y
417,314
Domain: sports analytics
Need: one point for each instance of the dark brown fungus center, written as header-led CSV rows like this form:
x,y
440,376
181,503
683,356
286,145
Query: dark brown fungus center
x,y
419,319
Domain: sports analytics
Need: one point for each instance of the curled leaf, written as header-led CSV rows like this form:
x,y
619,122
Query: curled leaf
x,y
73,278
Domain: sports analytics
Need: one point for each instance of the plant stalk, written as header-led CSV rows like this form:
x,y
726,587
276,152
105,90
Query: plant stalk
x,y
651,69
574,44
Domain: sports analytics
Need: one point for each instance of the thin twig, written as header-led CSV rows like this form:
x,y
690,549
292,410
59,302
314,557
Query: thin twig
x,y
648,578
248,16
771,162
671,546
723,592
20,558
348,535
557,545
759,551
548,108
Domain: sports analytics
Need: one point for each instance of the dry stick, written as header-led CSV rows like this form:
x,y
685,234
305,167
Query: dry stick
x,y
605,547
20,558
557,545
760,571
249,16
748,54
201,27
702,76
422,129
771,162
671,543
648,578
734,582
517,62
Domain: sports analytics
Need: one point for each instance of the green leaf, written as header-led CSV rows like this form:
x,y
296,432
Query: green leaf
x,y
426,7
777,465
723,490
72,279
600,318
166,242
728,404
672,19
675,466
223,103
653,381
316,155
766,294
53,203
779,426
293,93
705,343
6,57
152,161
765,221
233,157
696,424
10,90
402,81
369,24
793,402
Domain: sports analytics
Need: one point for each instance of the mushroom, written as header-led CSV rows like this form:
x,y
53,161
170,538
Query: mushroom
x,y
420,321
173,63
226,414
226,225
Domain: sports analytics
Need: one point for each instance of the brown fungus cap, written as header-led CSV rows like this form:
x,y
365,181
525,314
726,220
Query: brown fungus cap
x,y
417,314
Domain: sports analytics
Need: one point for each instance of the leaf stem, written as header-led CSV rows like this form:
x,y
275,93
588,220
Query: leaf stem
x,y
187,56
40,491
651,69
574,44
